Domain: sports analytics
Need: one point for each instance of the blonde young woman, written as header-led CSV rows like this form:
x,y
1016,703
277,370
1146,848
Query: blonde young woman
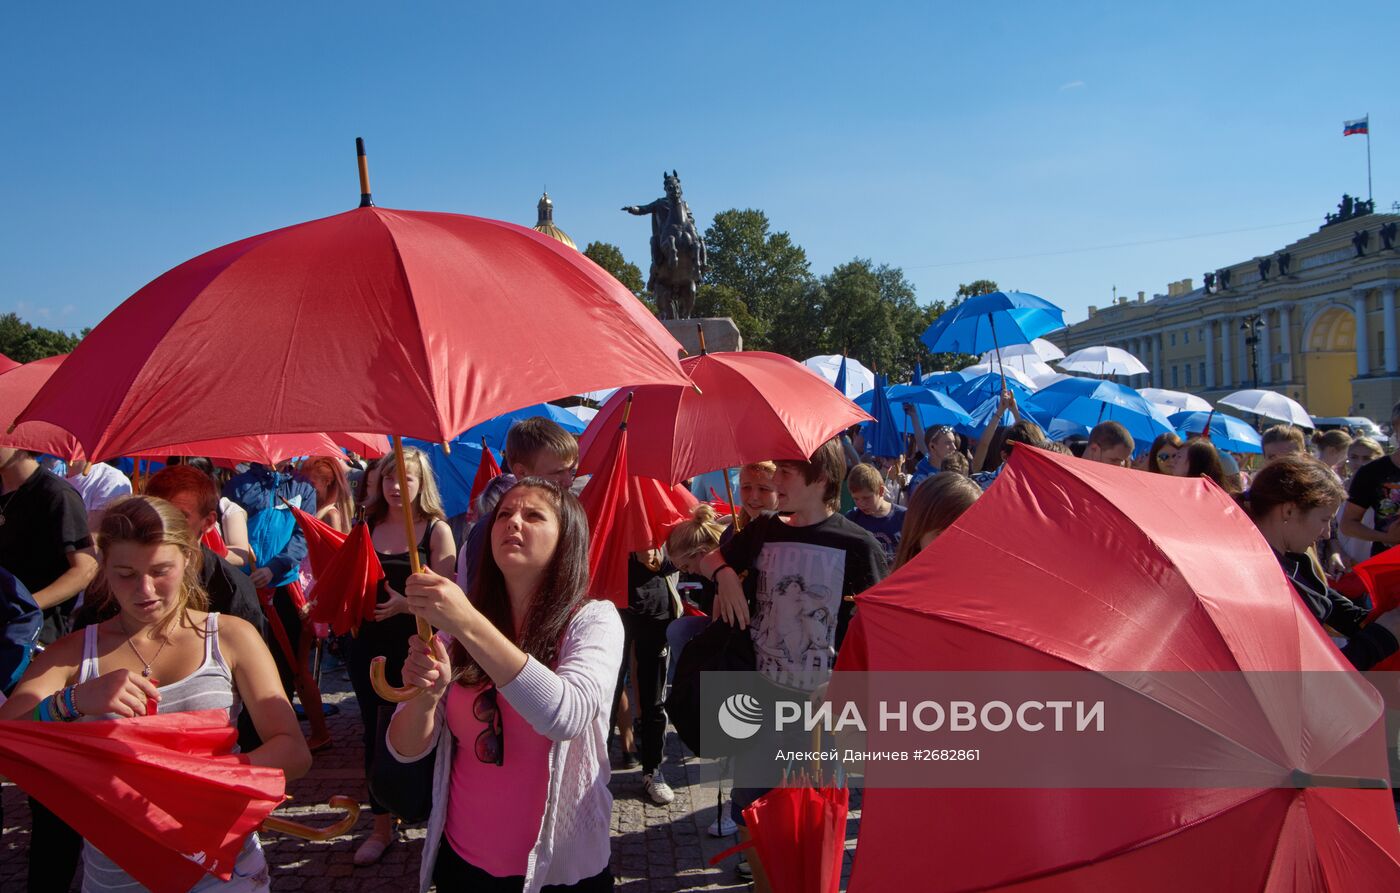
x,y
162,647
388,634
333,499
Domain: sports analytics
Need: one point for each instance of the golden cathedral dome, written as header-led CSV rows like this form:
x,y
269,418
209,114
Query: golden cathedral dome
x,y
546,223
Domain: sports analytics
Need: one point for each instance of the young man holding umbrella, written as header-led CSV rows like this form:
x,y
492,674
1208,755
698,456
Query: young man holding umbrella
x,y
803,573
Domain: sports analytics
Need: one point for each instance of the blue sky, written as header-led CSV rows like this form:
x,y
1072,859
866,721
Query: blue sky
x,y
938,138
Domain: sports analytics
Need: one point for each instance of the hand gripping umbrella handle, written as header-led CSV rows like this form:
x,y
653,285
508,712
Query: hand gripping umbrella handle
x,y
343,825
425,631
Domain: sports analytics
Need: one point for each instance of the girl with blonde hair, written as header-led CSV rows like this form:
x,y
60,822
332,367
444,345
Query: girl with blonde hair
x,y
935,505
393,625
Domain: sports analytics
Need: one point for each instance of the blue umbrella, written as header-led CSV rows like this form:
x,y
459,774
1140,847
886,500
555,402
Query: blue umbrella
x,y
933,407
1049,401
946,382
986,322
494,430
976,392
1226,432
1145,423
840,383
980,416
918,374
454,473
882,436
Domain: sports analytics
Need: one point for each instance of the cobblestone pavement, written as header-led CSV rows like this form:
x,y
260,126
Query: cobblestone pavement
x,y
655,849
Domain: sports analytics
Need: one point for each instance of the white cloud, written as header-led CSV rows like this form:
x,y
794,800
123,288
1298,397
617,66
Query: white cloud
x,y
1072,85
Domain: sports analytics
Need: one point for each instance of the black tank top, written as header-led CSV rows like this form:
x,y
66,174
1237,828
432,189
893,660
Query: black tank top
x,y
396,564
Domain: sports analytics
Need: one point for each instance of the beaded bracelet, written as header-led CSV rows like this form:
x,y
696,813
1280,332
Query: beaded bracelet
x,y
68,701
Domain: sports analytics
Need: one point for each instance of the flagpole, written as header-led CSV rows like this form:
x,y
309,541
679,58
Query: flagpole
x,y
1370,197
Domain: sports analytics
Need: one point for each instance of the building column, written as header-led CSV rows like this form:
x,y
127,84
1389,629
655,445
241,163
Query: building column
x,y
1157,341
1266,361
1285,342
1392,360
1363,340
1246,370
1227,354
1210,353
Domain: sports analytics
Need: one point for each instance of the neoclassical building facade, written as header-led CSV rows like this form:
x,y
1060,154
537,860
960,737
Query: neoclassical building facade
x,y
1315,320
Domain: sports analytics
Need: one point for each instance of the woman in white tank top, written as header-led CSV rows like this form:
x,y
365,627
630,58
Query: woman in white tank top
x,y
161,651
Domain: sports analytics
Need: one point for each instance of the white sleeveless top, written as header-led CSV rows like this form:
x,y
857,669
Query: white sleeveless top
x,y
209,687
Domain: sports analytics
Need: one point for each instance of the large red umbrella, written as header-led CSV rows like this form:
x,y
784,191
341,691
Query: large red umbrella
x,y
406,322
626,514
1077,567
6,364
369,446
162,796
18,385
751,406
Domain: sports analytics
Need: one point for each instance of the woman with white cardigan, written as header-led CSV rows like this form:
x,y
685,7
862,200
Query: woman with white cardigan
x,y
518,686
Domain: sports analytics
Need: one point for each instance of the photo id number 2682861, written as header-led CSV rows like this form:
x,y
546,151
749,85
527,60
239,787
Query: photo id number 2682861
x,y
947,756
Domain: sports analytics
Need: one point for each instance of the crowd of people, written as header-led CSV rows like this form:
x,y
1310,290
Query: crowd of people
x,y
190,591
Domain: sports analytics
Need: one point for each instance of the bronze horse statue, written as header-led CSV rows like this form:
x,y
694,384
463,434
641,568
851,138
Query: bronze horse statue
x,y
677,251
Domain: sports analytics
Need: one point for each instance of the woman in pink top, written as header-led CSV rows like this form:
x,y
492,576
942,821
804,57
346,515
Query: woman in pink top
x,y
518,688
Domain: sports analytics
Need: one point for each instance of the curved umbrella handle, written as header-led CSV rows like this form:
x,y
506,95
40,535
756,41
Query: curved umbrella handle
x,y
306,832
381,683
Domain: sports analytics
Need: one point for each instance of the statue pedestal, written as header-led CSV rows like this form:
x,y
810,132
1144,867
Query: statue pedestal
x,y
720,334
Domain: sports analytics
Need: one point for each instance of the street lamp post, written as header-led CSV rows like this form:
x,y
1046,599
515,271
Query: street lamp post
x,y
1253,326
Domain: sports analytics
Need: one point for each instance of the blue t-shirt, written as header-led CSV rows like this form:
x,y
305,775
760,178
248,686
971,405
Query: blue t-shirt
x,y
885,530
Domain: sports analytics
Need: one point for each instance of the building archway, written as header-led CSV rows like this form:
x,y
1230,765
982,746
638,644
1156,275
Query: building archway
x,y
1329,357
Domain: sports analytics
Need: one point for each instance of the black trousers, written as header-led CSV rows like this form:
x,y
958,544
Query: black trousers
x,y
647,636
54,851
453,874
387,639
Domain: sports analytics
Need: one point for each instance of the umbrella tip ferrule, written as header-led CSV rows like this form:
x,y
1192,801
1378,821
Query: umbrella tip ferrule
x,y
366,198
447,447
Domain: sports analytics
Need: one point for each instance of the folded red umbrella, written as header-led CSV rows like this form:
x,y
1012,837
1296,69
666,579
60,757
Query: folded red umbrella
x,y
799,834
751,406
348,585
161,796
18,385
1074,567
486,472
626,514
323,541
1380,574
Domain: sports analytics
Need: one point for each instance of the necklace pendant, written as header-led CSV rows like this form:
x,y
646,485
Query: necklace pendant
x,y
146,672
2,519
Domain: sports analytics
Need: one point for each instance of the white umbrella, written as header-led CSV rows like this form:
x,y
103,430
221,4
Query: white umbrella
x,y
584,413
1179,401
1037,370
1052,379
1039,347
599,397
1103,360
1269,404
1012,372
859,379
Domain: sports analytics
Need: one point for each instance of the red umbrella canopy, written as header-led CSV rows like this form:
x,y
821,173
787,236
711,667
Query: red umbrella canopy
x,y
369,446
6,364
18,385
626,514
269,449
412,322
753,406
162,796
1066,566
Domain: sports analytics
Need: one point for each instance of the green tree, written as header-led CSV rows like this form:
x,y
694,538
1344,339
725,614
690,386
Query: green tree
x,y
976,287
610,257
25,343
749,264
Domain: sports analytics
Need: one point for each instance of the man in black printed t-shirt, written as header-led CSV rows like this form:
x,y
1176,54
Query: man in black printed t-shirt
x,y
803,573
1376,487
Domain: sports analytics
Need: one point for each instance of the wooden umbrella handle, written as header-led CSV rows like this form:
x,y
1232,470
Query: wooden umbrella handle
x,y
350,805
425,631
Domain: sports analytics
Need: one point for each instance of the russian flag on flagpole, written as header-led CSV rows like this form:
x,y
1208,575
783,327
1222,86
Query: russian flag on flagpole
x,y
1360,125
